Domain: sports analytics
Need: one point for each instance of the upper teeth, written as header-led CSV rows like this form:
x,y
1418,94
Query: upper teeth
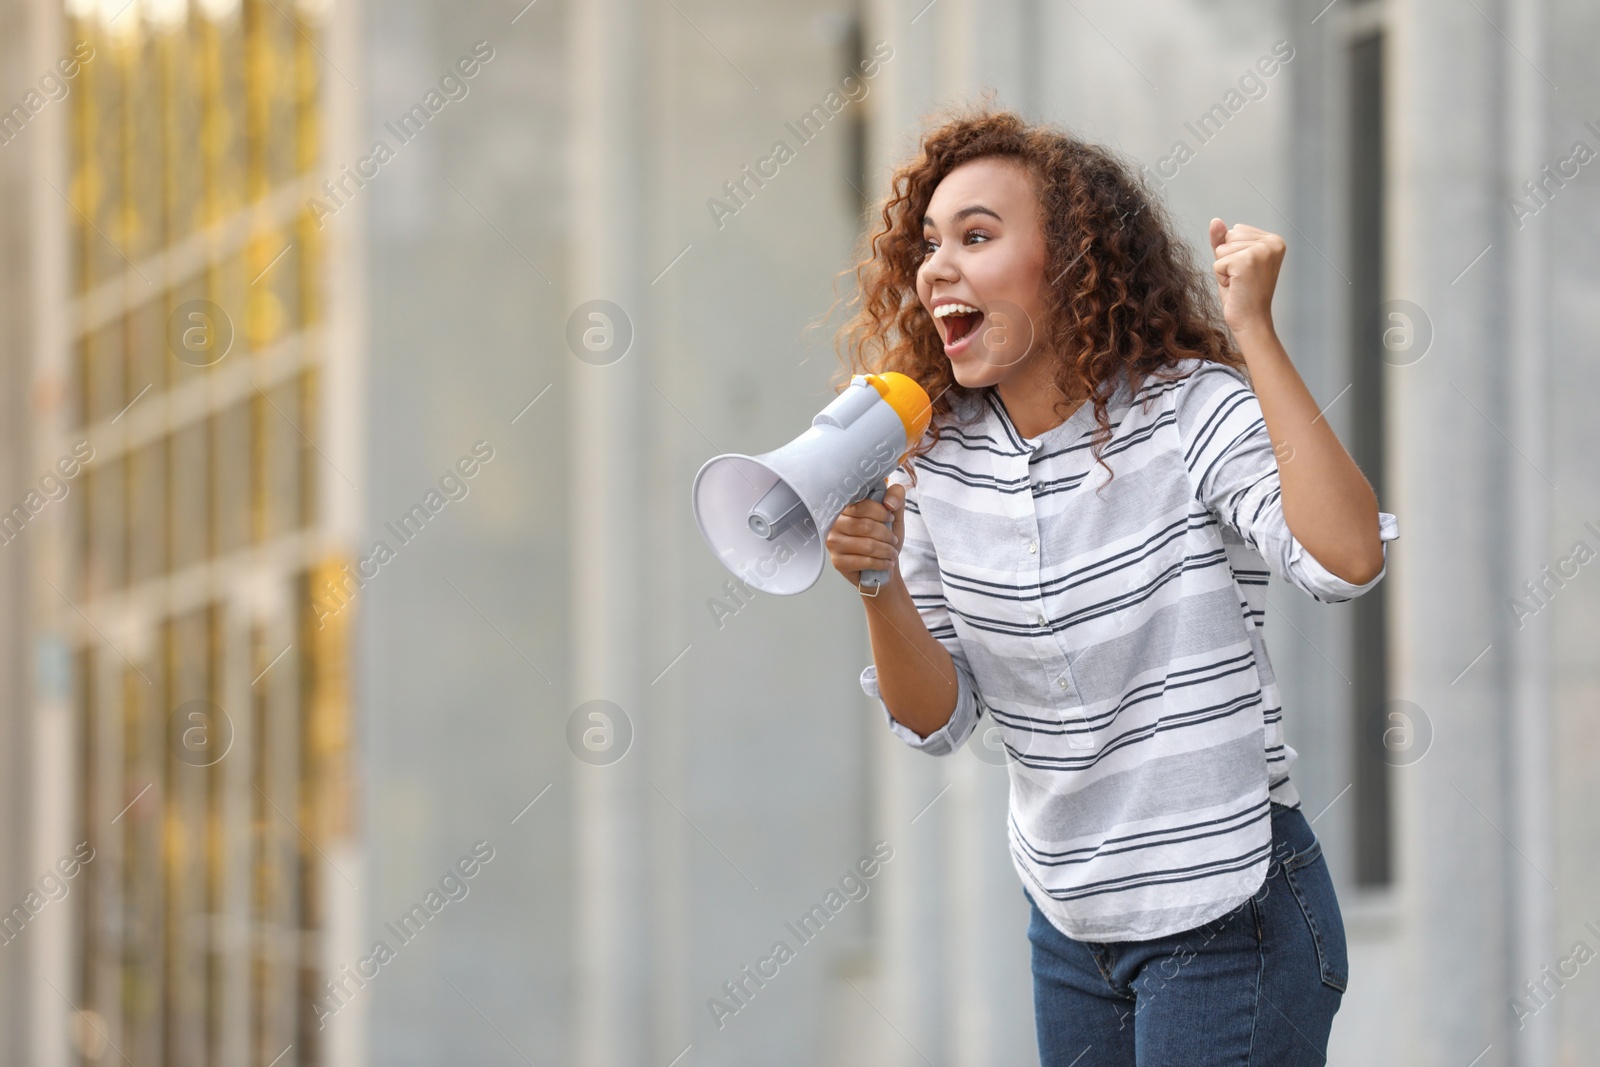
x,y
954,309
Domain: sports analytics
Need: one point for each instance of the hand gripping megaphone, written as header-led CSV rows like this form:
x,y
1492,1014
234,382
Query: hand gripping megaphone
x,y
762,514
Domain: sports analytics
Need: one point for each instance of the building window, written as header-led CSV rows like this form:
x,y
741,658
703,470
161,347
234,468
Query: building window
x,y
212,707
1370,645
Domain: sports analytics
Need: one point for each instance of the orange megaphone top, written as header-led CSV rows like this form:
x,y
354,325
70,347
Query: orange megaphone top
x,y
909,400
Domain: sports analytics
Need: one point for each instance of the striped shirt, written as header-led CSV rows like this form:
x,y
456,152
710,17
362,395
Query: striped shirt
x,y
1114,637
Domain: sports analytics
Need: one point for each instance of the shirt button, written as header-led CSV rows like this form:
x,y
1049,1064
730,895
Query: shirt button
x,y
1033,546
1061,683
1039,619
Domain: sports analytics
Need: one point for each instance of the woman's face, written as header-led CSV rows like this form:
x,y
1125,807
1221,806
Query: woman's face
x,y
985,253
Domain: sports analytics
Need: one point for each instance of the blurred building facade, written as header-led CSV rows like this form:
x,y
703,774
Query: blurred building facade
x,y
182,349
358,360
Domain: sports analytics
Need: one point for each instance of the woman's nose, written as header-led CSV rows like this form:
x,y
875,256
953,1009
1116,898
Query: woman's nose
x,y
938,266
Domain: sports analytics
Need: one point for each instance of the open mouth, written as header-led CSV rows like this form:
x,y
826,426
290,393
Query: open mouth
x,y
962,325
961,322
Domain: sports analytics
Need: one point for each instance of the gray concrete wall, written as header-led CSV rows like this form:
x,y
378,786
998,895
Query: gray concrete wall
x,y
747,763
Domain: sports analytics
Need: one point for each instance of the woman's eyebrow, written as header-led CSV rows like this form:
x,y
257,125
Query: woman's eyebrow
x,y
975,209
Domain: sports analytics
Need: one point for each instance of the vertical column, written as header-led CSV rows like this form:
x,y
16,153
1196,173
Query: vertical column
x,y
342,430
232,917
612,940
16,449
39,695
1531,823
1454,638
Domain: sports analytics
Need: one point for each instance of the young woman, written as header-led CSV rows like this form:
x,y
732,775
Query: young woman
x,y
1079,551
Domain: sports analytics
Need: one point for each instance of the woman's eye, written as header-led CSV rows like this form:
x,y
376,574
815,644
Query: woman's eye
x,y
928,246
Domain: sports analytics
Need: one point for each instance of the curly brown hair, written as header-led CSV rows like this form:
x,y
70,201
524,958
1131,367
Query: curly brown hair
x,y
1126,293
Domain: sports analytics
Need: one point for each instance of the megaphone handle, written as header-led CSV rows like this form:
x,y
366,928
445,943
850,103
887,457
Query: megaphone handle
x,y
871,582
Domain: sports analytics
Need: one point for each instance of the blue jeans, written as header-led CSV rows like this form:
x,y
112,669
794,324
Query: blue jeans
x,y
1258,985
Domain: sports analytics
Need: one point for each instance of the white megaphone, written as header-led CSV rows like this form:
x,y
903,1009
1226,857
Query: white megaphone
x,y
766,517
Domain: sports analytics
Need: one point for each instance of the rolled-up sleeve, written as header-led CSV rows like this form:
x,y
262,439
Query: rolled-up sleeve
x,y
1234,472
919,567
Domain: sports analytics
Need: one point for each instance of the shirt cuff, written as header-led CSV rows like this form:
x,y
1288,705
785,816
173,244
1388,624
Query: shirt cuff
x,y
1331,586
949,737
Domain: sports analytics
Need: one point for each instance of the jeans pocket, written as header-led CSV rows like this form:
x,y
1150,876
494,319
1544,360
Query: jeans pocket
x,y
1312,886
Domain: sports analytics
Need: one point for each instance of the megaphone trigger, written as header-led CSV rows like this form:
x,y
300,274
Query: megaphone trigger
x,y
875,580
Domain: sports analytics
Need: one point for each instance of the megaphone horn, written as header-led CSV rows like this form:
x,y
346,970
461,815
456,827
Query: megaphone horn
x,y
766,517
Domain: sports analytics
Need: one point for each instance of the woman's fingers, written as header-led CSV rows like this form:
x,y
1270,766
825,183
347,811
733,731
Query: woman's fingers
x,y
880,541
868,509
849,562
862,537
851,554
856,526
896,498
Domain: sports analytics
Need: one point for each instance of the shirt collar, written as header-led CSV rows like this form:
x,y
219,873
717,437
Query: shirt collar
x,y
1005,434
